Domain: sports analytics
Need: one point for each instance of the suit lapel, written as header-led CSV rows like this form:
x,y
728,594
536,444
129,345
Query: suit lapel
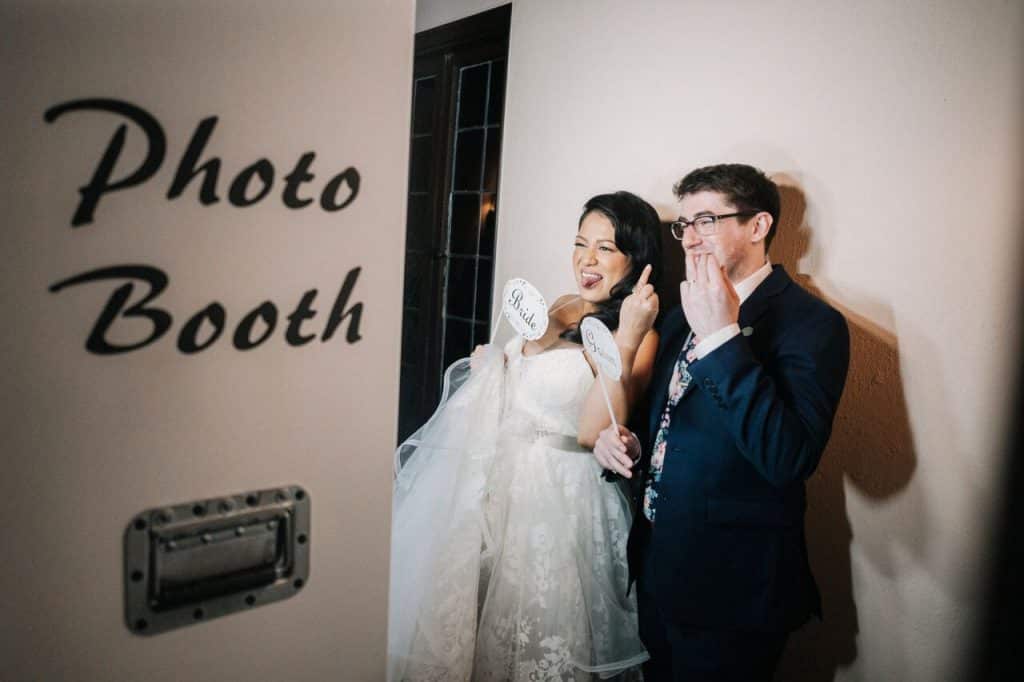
x,y
755,306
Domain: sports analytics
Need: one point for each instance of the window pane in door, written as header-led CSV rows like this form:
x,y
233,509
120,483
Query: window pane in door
x,y
465,224
480,334
458,340
493,159
488,210
469,152
473,94
484,284
461,282
496,100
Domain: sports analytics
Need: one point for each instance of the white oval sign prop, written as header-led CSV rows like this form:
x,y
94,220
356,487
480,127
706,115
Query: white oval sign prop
x,y
600,344
525,309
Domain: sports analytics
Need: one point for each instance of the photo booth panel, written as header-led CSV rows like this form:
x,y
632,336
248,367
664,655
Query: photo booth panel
x,y
201,297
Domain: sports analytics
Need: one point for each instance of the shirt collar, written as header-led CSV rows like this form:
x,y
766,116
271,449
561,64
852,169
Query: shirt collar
x,y
745,288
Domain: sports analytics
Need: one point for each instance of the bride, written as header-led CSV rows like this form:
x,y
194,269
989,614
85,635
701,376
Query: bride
x,y
508,557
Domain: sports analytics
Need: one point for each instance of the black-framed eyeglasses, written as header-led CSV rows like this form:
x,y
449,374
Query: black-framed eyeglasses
x,y
705,225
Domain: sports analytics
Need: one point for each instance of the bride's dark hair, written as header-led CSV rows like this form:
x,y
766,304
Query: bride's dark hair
x,y
637,234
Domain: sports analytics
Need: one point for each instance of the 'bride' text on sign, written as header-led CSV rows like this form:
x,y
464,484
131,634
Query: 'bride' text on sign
x,y
525,308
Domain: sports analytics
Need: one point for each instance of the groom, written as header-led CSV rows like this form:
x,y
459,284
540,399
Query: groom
x,y
746,382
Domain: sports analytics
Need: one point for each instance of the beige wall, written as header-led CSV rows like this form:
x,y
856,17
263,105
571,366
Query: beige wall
x,y
433,13
88,441
896,130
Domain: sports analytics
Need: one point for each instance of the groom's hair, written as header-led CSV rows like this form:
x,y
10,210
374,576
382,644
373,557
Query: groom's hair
x,y
745,187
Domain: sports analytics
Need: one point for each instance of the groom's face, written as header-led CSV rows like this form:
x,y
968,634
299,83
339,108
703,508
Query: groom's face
x,y
732,242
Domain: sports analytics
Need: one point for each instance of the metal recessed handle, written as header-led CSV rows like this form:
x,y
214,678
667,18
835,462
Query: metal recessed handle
x,y
207,558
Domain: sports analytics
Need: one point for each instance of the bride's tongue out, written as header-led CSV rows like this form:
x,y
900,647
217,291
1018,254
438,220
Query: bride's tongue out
x,y
590,280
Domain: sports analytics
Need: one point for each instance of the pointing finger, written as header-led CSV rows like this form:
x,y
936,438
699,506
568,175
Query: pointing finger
x,y
644,276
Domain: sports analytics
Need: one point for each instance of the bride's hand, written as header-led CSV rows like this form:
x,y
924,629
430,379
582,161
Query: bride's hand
x,y
477,356
638,312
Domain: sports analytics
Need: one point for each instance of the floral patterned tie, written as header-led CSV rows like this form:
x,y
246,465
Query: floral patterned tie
x,y
676,388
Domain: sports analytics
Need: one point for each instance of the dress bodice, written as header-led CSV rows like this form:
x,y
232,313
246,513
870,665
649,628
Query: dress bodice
x,y
547,389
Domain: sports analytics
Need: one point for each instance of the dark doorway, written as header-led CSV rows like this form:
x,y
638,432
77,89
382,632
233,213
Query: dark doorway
x,y
455,151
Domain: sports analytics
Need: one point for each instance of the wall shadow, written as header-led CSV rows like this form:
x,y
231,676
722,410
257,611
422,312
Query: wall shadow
x,y
673,271
871,449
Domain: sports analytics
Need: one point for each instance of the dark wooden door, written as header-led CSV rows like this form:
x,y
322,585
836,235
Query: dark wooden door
x,y
455,152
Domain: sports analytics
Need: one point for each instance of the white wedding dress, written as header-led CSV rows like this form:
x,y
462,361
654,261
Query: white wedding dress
x,y
508,548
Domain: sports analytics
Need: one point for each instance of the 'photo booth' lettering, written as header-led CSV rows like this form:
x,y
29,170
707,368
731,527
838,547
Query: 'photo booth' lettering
x,y
249,186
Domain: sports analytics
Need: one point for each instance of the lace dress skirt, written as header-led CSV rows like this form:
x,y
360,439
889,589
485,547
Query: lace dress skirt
x,y
523,571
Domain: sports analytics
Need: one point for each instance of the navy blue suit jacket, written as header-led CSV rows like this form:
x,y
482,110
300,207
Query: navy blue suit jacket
x,y
728,548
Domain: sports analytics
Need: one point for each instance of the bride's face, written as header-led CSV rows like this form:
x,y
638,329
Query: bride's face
x,y
596,261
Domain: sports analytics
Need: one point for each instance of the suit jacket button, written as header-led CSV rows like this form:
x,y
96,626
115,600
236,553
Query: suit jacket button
x,y
708,382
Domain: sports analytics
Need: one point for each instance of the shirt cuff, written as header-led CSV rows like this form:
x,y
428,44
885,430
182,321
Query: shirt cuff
x,y
715,340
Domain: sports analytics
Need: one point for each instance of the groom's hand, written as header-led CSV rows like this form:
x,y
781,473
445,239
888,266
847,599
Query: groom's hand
x,y
617,451
708,297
